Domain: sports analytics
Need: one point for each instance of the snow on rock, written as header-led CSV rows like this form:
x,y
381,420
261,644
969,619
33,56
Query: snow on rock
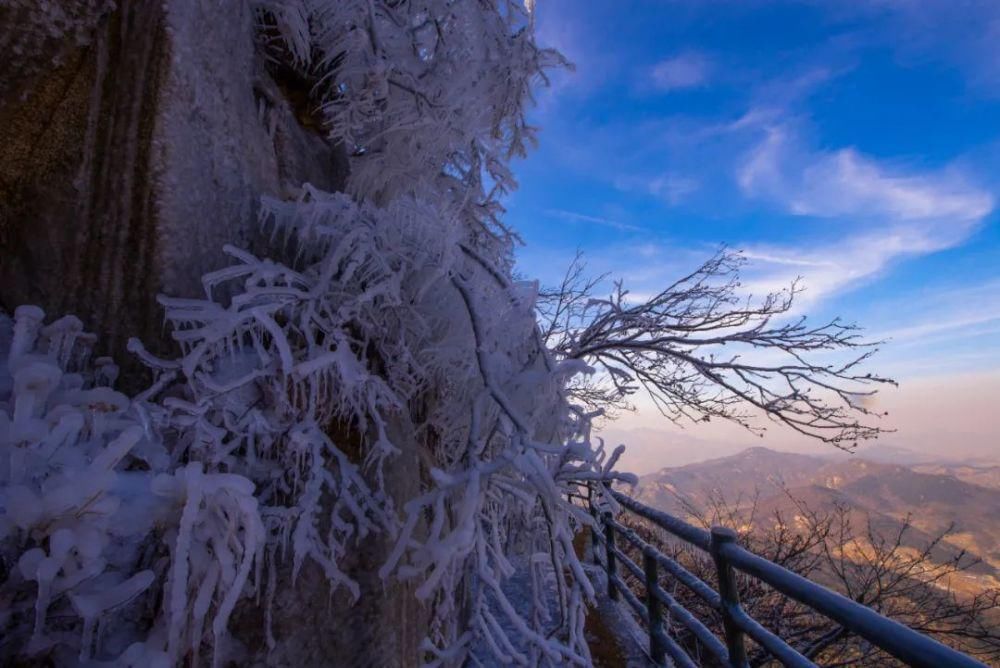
x,y
366,371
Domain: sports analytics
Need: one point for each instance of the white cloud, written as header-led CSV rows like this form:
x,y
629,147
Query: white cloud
x,y
685,70
884,213
761,171
845,183
825,268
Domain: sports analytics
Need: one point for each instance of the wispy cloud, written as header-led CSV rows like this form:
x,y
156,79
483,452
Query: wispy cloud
x,y
963,33
884,213
944,314
960,325
845,183
828,268
669,187
785,260
672,188
690,69
575,217
561,26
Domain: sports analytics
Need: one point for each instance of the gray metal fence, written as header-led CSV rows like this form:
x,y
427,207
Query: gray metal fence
x,y
904,643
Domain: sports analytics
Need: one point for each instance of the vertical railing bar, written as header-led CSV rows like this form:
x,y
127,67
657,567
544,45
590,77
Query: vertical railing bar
x,y
656,650
609,556
730,596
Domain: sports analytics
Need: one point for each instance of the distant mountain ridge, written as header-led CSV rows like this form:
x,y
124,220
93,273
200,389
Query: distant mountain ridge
x,y
893,454
984,476
933,497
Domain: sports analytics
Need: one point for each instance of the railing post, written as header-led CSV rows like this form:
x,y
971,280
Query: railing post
x,y
610,563
730,597
657,652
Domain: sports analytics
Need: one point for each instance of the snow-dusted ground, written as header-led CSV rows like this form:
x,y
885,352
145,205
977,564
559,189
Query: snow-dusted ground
x,y
518,590
614,616
617,619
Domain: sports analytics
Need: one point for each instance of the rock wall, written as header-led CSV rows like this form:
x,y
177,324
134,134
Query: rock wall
x,y
383,629
136,139
134,143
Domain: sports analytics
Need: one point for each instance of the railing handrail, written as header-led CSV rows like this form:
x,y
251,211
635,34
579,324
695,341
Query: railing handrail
x,y
912,647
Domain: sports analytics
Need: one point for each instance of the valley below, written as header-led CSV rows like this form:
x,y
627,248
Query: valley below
x,y
949,510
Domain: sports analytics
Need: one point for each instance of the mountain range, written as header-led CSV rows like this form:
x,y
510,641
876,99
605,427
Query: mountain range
x,y
961,500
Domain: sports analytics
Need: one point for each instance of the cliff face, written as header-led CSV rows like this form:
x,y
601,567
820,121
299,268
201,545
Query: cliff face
x,y
135,141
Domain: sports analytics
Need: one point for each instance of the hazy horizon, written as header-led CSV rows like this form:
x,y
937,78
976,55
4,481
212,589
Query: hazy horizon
x,y
947,418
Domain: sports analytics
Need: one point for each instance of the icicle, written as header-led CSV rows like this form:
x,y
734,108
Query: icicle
x,y
177,607
27,320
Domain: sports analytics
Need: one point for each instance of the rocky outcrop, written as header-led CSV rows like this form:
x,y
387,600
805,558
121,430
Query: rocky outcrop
x,y
135,141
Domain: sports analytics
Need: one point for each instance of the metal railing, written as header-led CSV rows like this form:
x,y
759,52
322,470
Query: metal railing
x,y
900,641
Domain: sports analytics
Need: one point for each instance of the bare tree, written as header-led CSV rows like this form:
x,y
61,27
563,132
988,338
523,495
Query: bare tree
x,y
889,570
687,346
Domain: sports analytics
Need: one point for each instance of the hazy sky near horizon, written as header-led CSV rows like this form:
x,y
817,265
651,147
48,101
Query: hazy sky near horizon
x,y
855,145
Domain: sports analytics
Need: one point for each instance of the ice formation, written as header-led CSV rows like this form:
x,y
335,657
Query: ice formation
x,y
132,527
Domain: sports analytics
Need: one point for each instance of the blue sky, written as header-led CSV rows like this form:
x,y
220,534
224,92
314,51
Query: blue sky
x,y
854,144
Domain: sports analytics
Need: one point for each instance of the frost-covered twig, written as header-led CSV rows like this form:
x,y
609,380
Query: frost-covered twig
x,y
192,491
702,351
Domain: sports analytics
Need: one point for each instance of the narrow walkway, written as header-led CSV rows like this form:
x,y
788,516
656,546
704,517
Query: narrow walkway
x,y
518,590
612,634
614,637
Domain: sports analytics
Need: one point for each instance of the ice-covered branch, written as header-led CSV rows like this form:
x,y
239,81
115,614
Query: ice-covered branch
x,y
702,351
270,433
